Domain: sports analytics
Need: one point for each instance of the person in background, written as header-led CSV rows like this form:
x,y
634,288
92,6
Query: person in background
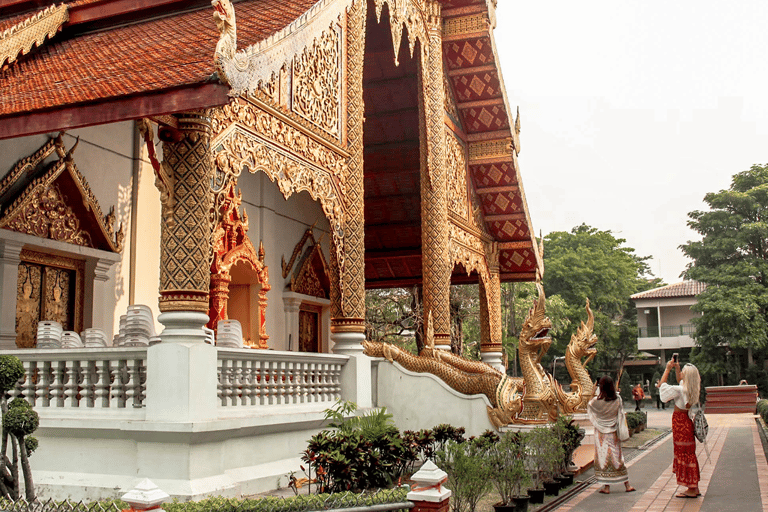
x,y
603,411
659,403
685,465
637,395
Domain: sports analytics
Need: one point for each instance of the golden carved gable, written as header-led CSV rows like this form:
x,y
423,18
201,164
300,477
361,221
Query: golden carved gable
x,y
317,82
405,14
312,274
56,202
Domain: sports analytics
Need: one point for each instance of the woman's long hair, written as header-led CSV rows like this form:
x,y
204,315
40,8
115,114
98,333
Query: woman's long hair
x,y
607,389
691,383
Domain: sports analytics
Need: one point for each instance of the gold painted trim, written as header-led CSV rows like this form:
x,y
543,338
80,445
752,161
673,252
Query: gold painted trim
x,y
33,31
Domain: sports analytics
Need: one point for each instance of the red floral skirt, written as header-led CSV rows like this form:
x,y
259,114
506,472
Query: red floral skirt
x,y
685,465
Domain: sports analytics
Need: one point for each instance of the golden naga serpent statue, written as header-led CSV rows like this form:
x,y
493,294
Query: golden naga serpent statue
x,y
534,398
582,345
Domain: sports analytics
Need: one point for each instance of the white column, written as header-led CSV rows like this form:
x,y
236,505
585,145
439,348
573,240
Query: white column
x,y
182,371
291,303
100,280
9,275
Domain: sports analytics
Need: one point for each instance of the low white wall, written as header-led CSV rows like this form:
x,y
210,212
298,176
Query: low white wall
x,y
80,458
421,400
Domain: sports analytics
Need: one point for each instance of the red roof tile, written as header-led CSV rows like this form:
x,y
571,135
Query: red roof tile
x,y
161,54
684,289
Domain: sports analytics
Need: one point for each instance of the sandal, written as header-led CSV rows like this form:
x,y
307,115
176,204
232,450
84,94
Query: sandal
x,y
603,491
630,489
683,495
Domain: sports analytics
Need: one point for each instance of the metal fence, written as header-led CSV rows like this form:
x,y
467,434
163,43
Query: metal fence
x,y
380,501
668,331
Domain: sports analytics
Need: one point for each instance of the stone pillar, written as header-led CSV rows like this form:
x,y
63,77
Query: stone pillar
x,y
436,264
428,493
186,235
182,369
491,350
9,275
348,289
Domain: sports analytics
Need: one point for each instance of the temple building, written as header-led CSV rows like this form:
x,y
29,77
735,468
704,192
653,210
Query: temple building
x,y
265,161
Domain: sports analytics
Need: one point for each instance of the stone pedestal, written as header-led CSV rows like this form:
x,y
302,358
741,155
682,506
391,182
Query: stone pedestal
x,y
356,376
182,371
428,493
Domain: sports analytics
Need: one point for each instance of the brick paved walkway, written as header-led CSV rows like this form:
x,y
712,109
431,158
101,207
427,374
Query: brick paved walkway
x,y
735,478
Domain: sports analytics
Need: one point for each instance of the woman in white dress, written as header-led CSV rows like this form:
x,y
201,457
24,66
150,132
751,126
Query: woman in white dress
x,y
603,411
685,465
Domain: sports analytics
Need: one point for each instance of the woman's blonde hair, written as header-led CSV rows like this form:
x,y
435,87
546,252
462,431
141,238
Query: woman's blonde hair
x,y
691,383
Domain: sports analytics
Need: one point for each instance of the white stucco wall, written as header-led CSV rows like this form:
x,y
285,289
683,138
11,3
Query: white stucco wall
x,y
421,400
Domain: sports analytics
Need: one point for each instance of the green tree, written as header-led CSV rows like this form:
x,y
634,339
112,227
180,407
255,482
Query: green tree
x,y
732,259
594,264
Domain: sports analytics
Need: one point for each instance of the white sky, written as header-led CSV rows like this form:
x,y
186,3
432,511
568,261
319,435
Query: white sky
x,y
632,111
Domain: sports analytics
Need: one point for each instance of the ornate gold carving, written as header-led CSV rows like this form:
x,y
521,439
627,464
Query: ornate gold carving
x,y
308,283
308,235
582,345
487,149
468,377
43,210
186,255
317,82
468,250
231,245
33,31
348,297
56,303
252,69
163,173
45,214
254,119
450,104
240,150
466,25
30,163
28,293
409,14
436,260
456,162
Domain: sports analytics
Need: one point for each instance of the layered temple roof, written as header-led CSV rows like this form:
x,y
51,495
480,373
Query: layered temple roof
x,y
88,62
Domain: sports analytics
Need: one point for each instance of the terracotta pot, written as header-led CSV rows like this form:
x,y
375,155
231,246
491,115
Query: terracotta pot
x,y
537,495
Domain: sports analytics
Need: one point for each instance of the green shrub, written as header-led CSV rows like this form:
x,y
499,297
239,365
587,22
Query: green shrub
x,y
762,409
625,389
468,474
11,370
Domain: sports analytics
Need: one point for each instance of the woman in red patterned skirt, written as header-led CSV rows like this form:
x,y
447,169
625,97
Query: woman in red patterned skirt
x,y
685,394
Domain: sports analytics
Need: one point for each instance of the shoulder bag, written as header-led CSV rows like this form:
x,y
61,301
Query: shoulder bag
x,y
621,428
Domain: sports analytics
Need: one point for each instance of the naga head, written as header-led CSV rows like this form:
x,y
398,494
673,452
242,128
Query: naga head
x,y
535,331
583,342
224,17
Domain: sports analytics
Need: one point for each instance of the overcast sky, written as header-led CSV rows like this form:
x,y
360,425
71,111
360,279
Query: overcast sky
x,y
632,111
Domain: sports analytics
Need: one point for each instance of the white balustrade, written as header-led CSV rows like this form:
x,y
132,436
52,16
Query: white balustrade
x,y
267,377
113,378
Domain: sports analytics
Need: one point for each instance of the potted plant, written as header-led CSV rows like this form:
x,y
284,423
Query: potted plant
x,y
507,471
545,454
468,476
536,455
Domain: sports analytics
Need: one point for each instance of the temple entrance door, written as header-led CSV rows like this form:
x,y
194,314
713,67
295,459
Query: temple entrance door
x,y
47,291
310,328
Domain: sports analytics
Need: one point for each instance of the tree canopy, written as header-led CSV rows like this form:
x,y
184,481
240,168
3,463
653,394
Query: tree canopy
x,y
594,264
732,260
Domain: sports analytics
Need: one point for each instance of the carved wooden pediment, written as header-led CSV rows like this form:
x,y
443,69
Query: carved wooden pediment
x,y
311,272
54,201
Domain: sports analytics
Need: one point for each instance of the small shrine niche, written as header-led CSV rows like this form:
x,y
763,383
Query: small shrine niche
x,y
307,294
239,278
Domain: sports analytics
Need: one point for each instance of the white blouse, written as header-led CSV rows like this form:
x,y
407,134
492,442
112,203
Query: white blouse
x,y
668,393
